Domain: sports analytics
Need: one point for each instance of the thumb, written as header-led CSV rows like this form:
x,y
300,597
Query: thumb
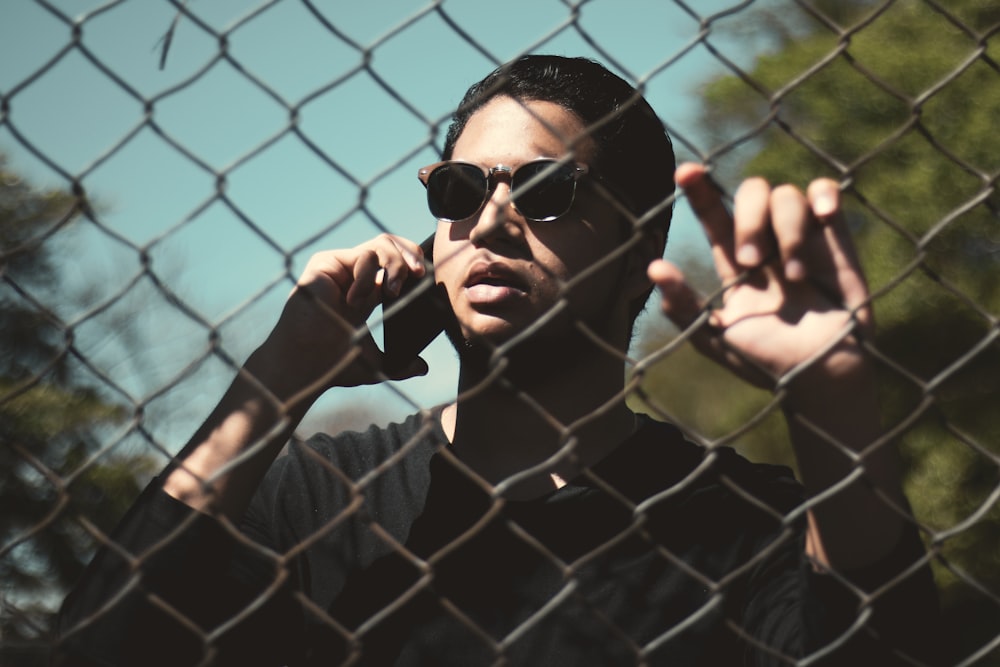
x,y
685,308
416,367
678,301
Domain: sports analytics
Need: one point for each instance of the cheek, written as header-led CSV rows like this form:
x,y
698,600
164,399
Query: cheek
x,y
447,256
576,252
446,275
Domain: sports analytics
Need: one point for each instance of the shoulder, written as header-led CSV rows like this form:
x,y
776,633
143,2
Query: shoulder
x,y
357,453
315,479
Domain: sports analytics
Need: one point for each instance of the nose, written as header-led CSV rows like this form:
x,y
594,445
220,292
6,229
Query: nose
x,y
497,218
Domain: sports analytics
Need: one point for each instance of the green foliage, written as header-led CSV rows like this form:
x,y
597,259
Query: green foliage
x,y
56,467
900,103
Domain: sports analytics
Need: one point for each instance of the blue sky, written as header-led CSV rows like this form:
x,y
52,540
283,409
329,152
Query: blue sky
x,y
156,146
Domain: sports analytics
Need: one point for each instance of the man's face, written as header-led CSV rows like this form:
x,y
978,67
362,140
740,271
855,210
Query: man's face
x,y
503,272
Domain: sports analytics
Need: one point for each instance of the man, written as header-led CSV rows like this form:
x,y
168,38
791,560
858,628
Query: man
x,y
536,519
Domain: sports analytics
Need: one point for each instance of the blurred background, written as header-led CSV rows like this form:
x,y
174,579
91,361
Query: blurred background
x,y
167,168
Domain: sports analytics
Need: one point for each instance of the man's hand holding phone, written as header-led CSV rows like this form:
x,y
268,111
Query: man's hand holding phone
x,y
320,339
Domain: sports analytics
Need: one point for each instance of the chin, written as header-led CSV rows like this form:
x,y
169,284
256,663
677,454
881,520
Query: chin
x,y
553,339
464,341
491,329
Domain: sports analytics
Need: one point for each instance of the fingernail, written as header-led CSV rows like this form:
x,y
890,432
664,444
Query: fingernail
x,y
794,270
748,255
824,204
395,286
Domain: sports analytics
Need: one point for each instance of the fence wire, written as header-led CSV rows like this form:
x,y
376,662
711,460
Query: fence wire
x,y
897,101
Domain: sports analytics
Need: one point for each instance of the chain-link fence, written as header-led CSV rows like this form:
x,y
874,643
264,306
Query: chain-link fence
x,y
168,171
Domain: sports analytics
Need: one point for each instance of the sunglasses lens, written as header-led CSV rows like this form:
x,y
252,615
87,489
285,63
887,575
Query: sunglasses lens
x,y
543,190
456,191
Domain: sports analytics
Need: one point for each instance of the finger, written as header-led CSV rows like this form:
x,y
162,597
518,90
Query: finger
x,y
365,366
380,266
412,253
705,200
824,199
678,301
371,367
751,220
325,265
847,276
792,221
399,258
684,307
415,368
366,269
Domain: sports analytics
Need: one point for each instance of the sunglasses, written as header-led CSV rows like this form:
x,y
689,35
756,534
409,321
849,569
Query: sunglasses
x,y
541,190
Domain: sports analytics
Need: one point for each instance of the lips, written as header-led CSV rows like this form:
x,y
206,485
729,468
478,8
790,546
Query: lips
x,y
494,274
494,283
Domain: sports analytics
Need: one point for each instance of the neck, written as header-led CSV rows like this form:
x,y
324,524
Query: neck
x,y
549,407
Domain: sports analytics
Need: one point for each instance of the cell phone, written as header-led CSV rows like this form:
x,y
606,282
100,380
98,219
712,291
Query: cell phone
x,y
412,320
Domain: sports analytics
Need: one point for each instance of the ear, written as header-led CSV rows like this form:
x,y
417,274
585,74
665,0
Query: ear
x,y
648,247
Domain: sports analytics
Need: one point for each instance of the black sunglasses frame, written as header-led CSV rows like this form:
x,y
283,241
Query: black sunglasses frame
x,y
489,183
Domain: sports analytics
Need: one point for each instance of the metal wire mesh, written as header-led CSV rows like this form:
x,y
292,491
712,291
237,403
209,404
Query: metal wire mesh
x,y
114,356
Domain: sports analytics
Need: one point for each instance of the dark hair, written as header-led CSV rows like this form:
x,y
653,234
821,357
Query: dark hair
x,y
635,158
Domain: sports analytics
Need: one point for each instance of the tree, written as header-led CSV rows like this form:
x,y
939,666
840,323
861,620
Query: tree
x,y
898,101
51,423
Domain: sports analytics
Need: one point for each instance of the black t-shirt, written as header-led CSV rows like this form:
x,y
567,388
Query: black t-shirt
x,y
379,547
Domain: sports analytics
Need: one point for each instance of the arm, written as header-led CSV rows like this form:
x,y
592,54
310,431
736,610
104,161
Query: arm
x,y
793,318
166,578
311,349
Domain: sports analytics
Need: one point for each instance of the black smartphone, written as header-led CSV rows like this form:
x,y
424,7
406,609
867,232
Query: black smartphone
x,y
416,317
